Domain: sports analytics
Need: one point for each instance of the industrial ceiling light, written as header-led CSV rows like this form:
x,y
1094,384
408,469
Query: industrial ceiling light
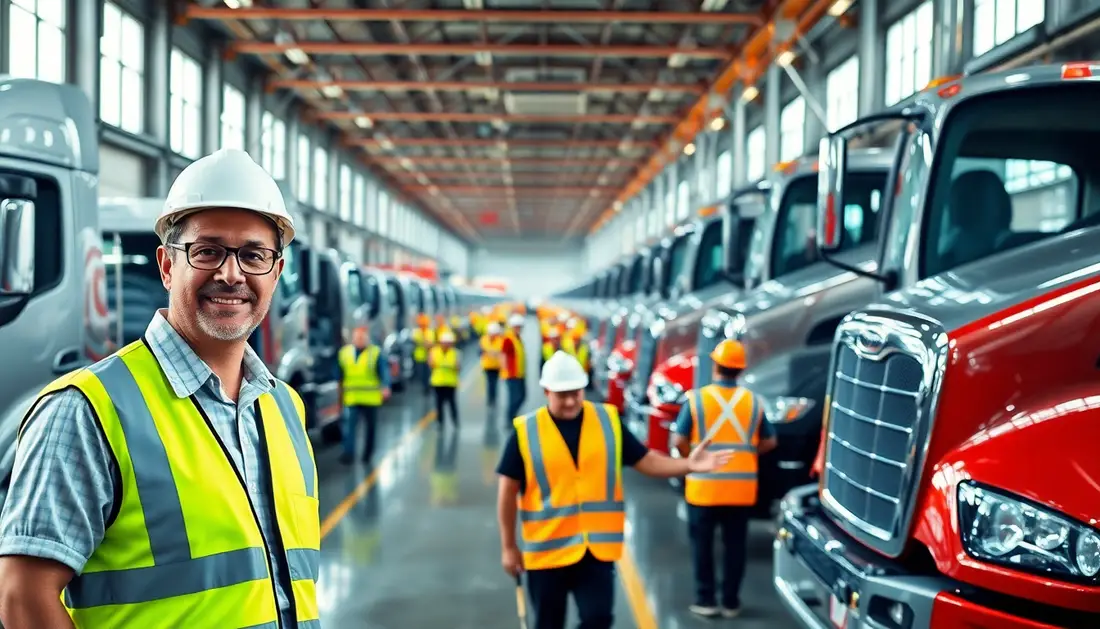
x,y
483,58
406,163
364,122
689,148
785,58
294,54
750,93
718,124
332,91
236,4
617,206
840,7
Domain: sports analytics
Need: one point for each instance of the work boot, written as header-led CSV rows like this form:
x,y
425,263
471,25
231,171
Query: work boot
x,y
731,612
706,611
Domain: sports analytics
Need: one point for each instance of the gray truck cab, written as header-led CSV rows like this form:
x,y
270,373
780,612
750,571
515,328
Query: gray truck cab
x,y
399,294
384,314
53,310
631,290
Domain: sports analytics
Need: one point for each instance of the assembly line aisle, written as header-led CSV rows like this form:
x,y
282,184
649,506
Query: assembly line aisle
x,y
412,544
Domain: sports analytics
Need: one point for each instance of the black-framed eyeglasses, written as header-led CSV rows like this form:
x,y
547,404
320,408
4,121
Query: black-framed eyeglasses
x,y
206,256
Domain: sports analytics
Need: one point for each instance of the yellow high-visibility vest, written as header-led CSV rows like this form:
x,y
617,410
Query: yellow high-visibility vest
x,y
548,350
444,367
186,543
361,383
577,349
423,338
567,509
490,352
521,359
735,411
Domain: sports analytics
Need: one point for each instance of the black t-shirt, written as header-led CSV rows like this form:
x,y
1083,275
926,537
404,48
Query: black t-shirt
x,y
511,461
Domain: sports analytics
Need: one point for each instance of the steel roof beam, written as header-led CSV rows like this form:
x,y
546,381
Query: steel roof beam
x,y
421,116
196,12
470,86
527,50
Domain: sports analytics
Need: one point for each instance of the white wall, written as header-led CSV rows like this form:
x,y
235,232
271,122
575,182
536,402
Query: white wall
x,y
532,268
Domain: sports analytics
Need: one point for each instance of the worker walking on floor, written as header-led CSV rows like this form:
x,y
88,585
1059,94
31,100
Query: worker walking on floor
x,y
444,361
423,337
491,358
172,483
513,369
561,474
732,418
365,385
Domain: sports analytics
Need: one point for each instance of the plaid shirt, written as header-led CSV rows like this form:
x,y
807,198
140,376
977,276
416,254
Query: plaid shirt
x,y
65,481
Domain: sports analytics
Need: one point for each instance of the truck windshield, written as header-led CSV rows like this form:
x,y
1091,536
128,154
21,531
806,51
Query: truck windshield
x,y
290,282
793,246
676,255
1005,180
142,291
708,260
635,285
374,295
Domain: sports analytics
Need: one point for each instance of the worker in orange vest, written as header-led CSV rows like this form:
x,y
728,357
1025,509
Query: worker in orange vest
x,y
561,474
732,418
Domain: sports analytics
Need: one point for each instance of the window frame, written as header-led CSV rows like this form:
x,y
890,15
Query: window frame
x,y
756,157
129,112
898,48
788,129
841,94
58,24
232,123
181,138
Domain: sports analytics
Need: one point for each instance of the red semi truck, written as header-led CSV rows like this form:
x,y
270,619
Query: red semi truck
x,y
959,481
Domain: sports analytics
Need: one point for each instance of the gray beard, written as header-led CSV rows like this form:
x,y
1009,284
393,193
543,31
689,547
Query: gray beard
x,y
212,328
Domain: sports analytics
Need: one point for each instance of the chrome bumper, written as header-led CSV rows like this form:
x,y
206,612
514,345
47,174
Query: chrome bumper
x,y
819,571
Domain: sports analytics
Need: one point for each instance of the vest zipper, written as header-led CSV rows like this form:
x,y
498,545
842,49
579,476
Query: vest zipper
x,y
252,507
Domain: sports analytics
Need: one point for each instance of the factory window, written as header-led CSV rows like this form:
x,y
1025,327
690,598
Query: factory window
x,y
383,213
121,70
909,54
640,226
359,200
185,124
345,192
756,154
792,126
683,200
997,21
232,118
842,94
36,40
273,145
304,154
370,205
724,174
320,178
671,199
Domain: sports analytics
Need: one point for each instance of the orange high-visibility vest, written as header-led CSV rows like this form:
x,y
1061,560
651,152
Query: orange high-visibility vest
x,y
568,509
521,359
735,411
490,352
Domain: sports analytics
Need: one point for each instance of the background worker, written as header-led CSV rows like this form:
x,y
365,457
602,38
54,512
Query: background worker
x,y
540,481
574,344
513,369
423,338
733,419
183,407
444,361
365,385
491,359
550,345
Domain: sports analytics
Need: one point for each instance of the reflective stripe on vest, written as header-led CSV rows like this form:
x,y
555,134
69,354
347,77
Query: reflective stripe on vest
x,y
520,359
733,424
361,384
444,367
557,527
185,540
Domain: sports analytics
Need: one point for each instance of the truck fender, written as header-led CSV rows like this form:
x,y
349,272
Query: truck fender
x,y
294,362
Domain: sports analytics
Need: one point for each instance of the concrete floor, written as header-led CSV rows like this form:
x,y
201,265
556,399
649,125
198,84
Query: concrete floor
x,y
412,543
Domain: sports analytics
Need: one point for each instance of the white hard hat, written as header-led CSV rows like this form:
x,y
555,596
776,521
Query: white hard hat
x,y
562,316
227,178
494,328
552,333
563,373
446,337
516,320
572,323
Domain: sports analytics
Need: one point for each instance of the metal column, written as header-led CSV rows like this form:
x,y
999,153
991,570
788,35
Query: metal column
x,y
212,100
158,47
83,53
253,117
872,50
771,114
292,126
738,137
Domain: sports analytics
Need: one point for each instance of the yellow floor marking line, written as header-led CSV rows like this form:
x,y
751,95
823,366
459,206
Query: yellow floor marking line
x,y
363,488
644,618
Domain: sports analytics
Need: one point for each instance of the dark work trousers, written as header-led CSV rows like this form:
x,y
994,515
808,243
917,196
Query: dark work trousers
x,y
352,416
703,523
590,581
445,396
517,394
424,375
492,380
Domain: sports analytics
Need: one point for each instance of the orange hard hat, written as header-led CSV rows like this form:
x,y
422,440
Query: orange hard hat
x,y
422,320
729,354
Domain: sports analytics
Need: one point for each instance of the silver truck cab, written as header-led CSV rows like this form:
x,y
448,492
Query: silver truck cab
x,y
633,277
382,313
53,308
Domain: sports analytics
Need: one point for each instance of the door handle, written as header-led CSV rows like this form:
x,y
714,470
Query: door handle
x,y
68,360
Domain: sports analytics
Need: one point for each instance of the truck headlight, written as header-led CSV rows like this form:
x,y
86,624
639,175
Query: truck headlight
x,y
783,410
1014,532
618,364
668,392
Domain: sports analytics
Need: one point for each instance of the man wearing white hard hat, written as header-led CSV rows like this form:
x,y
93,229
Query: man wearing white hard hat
x,y
491,359
178,467
513,369
571,514
443,359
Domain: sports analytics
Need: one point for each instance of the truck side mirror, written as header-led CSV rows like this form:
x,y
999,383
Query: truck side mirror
x,y
830,192
17,244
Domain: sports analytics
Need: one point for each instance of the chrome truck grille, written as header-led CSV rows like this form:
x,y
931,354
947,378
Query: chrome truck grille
x,y
886,374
